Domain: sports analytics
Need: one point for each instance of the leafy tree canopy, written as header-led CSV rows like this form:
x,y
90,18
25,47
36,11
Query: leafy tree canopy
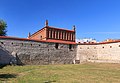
x,y
3,27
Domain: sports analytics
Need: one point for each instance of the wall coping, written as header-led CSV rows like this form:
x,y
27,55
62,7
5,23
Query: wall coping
x,y
116,41
35,40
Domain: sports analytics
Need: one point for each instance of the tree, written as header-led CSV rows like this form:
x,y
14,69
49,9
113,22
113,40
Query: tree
x,y
3,27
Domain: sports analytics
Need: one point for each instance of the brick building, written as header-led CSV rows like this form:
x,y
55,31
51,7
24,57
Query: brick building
x,y
54,34
48,45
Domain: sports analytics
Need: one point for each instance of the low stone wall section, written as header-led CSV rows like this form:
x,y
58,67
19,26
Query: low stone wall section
x,y
107,53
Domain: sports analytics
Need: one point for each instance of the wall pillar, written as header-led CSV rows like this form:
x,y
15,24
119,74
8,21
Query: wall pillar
x,y
55,34
68,36
58,34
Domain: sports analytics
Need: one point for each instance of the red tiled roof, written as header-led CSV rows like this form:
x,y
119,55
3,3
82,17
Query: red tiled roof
x,y
56,41
25,39
61,41
60,28
37,31
87,43
116,41
53,28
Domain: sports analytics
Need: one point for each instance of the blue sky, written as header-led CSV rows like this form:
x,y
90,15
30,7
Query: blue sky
x,y
99,19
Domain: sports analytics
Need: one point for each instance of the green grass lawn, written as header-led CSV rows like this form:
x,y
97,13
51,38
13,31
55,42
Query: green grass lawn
x,y
79,73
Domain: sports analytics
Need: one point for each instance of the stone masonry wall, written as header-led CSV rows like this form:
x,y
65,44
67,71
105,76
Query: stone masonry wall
x,y
31,52
107,53
86,52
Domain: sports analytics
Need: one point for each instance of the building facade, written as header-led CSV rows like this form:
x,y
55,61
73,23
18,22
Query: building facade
x,y
54,34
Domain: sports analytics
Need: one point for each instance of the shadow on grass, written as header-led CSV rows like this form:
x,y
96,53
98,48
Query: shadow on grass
x,y
4,77
49,81
1,66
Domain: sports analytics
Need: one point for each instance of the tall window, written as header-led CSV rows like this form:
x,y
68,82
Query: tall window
x,y
64,35
72,36
50,33
56,34
59,34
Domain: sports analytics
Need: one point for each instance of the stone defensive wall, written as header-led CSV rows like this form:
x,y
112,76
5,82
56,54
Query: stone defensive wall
x,y
40,52
106,52
25,51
